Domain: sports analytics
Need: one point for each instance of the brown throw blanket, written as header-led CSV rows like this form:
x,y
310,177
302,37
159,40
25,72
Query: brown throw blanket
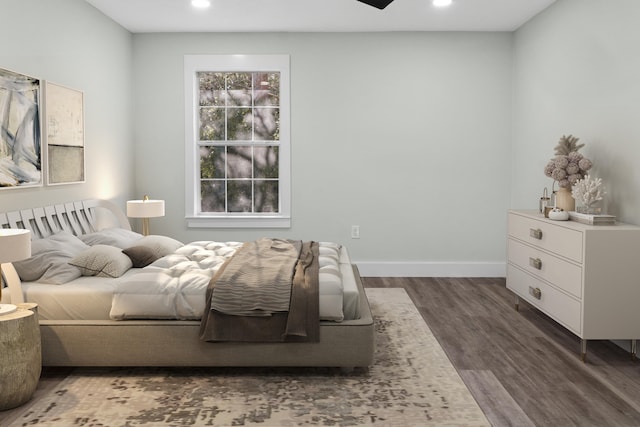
x,y
267,323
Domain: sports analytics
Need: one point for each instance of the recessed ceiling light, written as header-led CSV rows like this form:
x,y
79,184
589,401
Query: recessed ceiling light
x,y
201,4
441,3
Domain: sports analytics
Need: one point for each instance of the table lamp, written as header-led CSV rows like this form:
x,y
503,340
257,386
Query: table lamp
x,y
145,209
15,245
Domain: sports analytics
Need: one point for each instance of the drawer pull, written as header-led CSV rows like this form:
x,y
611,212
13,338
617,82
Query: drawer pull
x,y
535,233
535,263
535,292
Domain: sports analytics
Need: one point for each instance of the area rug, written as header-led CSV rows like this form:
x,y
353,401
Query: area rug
x,y
412,383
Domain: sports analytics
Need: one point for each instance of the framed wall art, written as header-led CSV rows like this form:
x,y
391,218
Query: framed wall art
x,y
20,131
64,130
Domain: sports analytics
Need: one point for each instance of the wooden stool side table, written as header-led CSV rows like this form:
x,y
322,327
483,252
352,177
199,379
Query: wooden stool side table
x,y
20,356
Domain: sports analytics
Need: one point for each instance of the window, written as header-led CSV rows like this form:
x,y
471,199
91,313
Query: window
x,y
237,140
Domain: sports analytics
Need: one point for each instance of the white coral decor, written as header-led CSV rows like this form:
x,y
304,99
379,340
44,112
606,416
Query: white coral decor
x,y
588,191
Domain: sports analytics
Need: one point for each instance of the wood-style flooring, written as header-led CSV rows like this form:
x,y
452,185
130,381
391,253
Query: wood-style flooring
x,y
522,367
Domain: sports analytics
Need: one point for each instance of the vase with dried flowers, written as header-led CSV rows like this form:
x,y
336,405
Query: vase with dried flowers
x,y
567,167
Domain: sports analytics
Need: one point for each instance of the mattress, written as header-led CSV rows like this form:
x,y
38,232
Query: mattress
x,y
91,297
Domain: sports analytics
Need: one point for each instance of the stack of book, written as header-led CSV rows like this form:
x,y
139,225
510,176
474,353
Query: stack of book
x,y
592,219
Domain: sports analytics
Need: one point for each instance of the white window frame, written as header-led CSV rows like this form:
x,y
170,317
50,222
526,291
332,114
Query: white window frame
x,y
235,63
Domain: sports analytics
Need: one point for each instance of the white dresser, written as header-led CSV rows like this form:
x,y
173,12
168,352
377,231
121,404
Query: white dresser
x,y
587,278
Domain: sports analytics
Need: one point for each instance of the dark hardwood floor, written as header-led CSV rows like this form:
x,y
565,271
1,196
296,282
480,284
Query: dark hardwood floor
x,y
522,367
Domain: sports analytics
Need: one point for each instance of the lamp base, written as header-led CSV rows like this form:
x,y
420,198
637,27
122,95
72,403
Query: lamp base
x,y
7,308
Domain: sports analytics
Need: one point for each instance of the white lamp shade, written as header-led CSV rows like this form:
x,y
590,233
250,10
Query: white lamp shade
x,y
15,244
145,208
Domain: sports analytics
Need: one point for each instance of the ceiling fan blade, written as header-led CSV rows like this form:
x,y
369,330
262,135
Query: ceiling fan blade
x,y
380,4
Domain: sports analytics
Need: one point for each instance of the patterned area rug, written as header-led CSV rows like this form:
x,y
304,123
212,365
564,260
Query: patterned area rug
x,y
412,383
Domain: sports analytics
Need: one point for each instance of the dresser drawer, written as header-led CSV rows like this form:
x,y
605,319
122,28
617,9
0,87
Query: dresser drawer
x,y
558,305
560,273
560,240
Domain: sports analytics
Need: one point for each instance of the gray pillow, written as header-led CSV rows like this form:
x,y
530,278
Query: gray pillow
x,y
49,262
140,256
118,237
160,245
103,261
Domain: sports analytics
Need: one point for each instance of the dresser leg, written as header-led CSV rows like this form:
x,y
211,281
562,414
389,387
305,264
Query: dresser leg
x,y
583,350
633,349
517,303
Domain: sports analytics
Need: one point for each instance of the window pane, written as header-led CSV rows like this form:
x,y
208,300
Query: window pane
x,y
267,124
266,196
265,163
239,196
211,87
266,88
212,162
239,89
239,124
212,124
212,196
237,127
239,162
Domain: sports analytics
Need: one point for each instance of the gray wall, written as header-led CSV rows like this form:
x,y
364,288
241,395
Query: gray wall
x,y
70,43
577,71
404,134
422,139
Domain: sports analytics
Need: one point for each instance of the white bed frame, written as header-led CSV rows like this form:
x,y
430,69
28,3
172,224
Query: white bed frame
x,y
347,344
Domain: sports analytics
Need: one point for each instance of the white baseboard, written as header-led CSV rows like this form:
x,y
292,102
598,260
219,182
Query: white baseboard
x,y
431,269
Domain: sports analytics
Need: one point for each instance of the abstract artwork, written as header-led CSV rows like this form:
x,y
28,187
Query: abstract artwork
x,y
64,129
20,136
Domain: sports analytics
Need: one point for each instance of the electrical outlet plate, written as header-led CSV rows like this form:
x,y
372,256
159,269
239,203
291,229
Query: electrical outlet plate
x,y
355,231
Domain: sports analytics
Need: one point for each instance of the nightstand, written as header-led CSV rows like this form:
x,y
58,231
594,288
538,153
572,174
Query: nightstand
x,y
20,356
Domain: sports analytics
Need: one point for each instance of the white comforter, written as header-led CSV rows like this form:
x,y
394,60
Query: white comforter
x,y
174,286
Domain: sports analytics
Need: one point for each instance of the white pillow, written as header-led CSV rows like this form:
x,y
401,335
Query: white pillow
x,y
103,261
118,237
49,262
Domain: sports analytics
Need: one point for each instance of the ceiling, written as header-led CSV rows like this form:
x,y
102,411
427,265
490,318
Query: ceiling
x,y
144,16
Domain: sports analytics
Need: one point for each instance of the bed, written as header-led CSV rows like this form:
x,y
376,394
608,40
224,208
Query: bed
x,y
95,331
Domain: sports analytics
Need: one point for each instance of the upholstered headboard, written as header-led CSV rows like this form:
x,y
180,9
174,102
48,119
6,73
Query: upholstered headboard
x,y
81,217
